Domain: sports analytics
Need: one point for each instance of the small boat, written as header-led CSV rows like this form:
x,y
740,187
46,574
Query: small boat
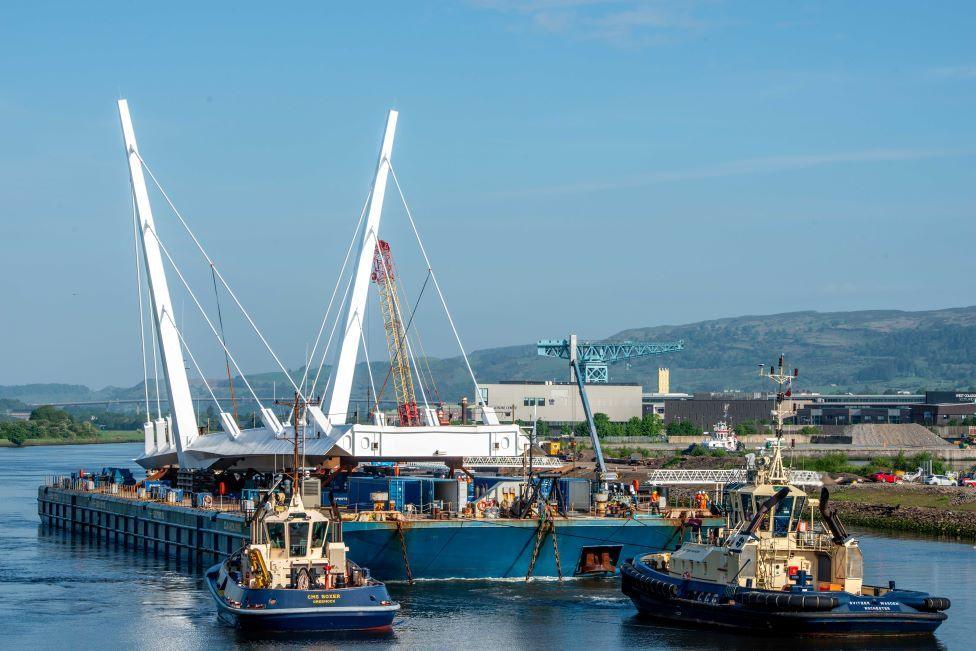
x,y
774,571
294,574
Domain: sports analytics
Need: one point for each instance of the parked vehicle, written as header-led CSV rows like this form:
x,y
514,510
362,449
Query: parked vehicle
x,y
938,480
884,477
915,475
968,481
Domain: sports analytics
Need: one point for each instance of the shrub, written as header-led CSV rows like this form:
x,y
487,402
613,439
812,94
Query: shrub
x,y
835,462
683,428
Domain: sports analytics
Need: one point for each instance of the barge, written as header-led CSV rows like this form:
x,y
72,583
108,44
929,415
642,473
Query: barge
x,y
395,546
520,534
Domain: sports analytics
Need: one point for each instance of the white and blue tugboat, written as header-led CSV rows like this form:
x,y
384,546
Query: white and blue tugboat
x,y
297,578
774,571
294,574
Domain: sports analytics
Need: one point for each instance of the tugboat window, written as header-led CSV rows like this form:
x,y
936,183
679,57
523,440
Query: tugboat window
x,y
318,534
297,538
746,506
855,563
781,519
276,535
799,505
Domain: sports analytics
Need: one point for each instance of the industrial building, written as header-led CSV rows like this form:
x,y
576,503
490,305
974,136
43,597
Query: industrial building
x,y
704,410
559,402
930,408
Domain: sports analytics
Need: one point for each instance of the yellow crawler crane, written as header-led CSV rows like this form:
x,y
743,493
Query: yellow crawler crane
x,y
396,336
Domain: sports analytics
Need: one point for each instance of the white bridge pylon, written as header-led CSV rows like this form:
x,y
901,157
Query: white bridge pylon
x,y
183,417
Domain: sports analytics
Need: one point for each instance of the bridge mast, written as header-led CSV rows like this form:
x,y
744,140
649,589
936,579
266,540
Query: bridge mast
x,y
338,403
174,371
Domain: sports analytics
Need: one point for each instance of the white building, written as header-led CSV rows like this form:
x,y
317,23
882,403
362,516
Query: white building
x,y
559,402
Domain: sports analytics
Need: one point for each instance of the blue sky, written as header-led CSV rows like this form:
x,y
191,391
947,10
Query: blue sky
x,y
574,166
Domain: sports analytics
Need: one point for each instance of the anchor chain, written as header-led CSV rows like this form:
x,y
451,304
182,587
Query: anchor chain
x,y
546,525
403,551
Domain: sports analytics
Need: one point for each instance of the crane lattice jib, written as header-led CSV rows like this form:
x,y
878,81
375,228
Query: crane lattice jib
x,y
594,356
396,336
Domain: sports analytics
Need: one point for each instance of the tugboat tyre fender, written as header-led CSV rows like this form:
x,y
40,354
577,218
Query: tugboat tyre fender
x,y
934,604
788,601
663,588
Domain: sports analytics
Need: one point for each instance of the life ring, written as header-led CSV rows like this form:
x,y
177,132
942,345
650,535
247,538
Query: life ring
x,y
482,505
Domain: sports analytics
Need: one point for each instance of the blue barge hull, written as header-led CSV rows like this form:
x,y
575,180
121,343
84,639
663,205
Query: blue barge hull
x,y
435,549
452,549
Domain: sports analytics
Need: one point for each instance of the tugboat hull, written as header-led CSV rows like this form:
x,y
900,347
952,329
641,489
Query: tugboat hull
x,y
357,609
696,603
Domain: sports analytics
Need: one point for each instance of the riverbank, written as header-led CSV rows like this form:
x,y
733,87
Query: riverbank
x,y
110,436
912,508
938,510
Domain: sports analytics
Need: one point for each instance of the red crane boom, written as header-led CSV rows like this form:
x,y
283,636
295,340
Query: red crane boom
x,y
396,335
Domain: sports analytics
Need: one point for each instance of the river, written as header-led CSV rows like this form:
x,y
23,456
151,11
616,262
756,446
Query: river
x,y
64,593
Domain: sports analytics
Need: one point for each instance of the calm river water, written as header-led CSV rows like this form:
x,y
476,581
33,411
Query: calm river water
x,y
67,594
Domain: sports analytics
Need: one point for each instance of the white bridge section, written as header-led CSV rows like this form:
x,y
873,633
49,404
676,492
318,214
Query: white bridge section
x,y
700,477
260,449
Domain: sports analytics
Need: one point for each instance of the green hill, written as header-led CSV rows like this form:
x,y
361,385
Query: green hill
x,y
865,351
836,351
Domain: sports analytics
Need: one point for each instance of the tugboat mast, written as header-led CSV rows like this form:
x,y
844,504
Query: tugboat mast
x,y
782,408
297,405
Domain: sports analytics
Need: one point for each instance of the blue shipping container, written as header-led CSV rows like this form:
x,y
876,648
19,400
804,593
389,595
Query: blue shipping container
x,y
417,491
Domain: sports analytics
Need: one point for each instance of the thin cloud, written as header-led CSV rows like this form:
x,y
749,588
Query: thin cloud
x,y
761,165
953,72
624,23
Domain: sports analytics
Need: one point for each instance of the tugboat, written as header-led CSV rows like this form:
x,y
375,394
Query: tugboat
x,y
294,574
773,571
723,436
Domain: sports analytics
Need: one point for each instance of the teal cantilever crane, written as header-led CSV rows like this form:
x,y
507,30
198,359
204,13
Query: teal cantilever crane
x,y
594,356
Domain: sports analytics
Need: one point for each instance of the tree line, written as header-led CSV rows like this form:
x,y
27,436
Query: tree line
x,y
47,422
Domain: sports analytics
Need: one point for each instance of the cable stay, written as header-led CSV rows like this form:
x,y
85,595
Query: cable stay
x,y
203,312
142,327
223,340
487,412
217,273
142,320
193,359
369,368
159,401
328,309
325,351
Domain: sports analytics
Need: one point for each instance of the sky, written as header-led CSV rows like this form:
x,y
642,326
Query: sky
x,y
573,166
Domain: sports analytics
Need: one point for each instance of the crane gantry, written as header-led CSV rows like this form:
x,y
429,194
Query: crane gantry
x,y
595,356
